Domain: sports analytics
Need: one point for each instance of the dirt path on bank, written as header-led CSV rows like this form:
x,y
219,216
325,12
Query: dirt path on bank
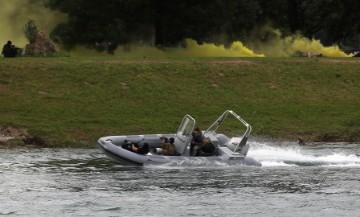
x,y
20,136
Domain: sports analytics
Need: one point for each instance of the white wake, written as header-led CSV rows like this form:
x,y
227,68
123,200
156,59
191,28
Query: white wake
x,y
272,154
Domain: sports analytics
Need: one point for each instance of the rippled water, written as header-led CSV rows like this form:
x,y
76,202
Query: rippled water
x,y
312,180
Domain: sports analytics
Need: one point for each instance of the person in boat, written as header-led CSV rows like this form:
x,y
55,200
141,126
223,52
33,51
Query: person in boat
x,y
144,149
164,140
207,148
159,149
196,141
172,143
127,145
169,147
134,147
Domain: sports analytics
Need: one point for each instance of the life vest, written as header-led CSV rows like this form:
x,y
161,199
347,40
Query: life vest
x,y
168,149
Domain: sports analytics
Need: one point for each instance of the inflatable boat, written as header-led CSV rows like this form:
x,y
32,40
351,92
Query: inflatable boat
x,y
230,150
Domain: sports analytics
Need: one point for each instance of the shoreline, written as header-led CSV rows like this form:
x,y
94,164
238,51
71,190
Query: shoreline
x,y
11,137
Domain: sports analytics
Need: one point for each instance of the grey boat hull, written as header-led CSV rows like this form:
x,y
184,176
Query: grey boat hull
x,y
111,146
231,150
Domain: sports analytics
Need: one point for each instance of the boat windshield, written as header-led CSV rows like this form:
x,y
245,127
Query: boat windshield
x,y
235,127
183,134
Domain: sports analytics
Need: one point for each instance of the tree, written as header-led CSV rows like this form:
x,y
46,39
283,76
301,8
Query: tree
x,y
330,20
97,22
243,19
30,31
167,23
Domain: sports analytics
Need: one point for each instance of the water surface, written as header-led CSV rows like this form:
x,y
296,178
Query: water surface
x,y
311,180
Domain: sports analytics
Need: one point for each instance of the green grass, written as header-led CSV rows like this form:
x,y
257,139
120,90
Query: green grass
x,y
74,101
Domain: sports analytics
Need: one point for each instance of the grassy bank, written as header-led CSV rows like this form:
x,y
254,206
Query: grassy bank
x,y
74,101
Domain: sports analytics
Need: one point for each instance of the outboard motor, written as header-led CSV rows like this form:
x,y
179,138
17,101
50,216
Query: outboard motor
x,y
238,143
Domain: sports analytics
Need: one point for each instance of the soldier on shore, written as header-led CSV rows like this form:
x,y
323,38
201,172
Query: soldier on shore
x,y
9,50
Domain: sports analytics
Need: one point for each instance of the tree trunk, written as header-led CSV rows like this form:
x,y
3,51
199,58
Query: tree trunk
x,y
295,18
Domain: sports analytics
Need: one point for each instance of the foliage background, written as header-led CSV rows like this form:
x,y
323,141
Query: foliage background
x,y
166,23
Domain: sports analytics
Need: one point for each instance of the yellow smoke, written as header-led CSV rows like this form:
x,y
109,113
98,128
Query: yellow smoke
x,y
304,45
236,49
270,41
16,13
191,49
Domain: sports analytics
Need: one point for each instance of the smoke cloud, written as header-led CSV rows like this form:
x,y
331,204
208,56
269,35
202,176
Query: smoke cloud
x,y
16,13
265,41
191,49
270,41
236,49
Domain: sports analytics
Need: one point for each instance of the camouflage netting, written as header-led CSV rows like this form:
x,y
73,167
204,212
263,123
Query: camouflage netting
x,y
43,46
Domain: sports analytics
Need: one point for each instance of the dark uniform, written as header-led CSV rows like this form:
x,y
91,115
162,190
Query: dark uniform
x,y
196,141
9,50
207,150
